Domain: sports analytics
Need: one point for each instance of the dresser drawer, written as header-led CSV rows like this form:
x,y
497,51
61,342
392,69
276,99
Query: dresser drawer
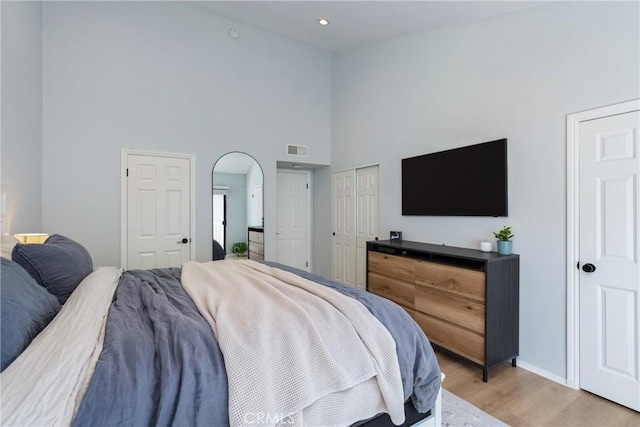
x,y
460,281
256,256
256,236
256,247
397,291
460,311
393,266
454,338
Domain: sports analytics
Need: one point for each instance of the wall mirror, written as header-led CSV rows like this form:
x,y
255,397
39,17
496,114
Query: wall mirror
x,y
237,187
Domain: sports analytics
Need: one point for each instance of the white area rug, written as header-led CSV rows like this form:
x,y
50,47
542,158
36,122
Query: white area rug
x,y
457,412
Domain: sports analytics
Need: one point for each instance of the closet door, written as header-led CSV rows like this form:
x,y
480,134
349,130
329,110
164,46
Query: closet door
x,y
366,218
354,207
343,242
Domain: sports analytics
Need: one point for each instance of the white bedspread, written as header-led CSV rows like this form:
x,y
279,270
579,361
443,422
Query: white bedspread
x,y
44,385
338,358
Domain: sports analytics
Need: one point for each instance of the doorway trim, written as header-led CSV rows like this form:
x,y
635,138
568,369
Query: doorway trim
x,y
356,167
124,200
573,235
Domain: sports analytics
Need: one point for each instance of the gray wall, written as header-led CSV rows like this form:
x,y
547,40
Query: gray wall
x,y
515,76
21,139
165,76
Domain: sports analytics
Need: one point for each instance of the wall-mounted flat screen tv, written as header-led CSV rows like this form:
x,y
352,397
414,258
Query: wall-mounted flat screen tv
x,y
466,181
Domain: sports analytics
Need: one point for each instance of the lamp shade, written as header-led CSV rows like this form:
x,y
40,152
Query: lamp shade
x,y
31,237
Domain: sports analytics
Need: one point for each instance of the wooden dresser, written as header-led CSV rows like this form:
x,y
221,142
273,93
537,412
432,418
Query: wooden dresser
x,y
466,301
255,238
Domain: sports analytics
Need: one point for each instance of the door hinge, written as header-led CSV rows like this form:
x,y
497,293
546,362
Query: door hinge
x,y
127,171
307,185
307,263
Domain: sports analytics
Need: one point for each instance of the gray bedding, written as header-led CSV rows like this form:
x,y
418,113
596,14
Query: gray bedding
x,y
161,364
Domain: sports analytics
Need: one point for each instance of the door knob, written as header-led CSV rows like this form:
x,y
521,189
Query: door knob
x,y
184,240
588,268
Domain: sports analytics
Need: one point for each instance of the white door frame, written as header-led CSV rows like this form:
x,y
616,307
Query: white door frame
x,y
362,166
309,175
124,201
573,235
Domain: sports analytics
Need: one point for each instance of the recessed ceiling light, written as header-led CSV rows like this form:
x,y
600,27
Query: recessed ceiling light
x,y
323,22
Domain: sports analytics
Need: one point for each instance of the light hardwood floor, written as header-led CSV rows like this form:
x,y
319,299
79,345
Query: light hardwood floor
x,y
521,398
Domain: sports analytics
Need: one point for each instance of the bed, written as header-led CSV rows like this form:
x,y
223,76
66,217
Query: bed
x,y
221,343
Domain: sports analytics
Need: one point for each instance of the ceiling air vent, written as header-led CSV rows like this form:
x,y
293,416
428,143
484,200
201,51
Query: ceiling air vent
x,y
298,150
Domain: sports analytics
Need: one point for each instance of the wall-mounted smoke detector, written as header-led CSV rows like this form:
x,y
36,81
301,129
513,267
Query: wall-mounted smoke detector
x,y
297,150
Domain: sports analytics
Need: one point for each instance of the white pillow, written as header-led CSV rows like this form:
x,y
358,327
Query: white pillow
x,y
6,246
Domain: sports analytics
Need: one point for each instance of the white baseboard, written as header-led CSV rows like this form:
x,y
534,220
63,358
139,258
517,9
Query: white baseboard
x,y
546,374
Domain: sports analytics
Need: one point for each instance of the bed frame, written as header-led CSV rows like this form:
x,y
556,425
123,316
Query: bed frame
x,y
413,418
436,419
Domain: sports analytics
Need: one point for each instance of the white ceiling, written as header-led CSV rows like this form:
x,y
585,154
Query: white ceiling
x,y
354,22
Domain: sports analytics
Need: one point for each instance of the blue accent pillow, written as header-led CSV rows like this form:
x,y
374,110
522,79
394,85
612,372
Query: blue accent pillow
x,y
59,264
25,309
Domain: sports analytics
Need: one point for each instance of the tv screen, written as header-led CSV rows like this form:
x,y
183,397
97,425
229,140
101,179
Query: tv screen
x,y
466,181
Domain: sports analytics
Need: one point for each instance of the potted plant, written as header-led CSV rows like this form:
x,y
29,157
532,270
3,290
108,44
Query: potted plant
x,y
239,248
504,240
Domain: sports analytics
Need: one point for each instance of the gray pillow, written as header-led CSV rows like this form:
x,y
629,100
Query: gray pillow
x,y
59,264
25,309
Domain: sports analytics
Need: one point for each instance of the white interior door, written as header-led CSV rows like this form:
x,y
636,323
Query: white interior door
x,y
366,218
343,223
609,239
293,219
158,211
219,218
